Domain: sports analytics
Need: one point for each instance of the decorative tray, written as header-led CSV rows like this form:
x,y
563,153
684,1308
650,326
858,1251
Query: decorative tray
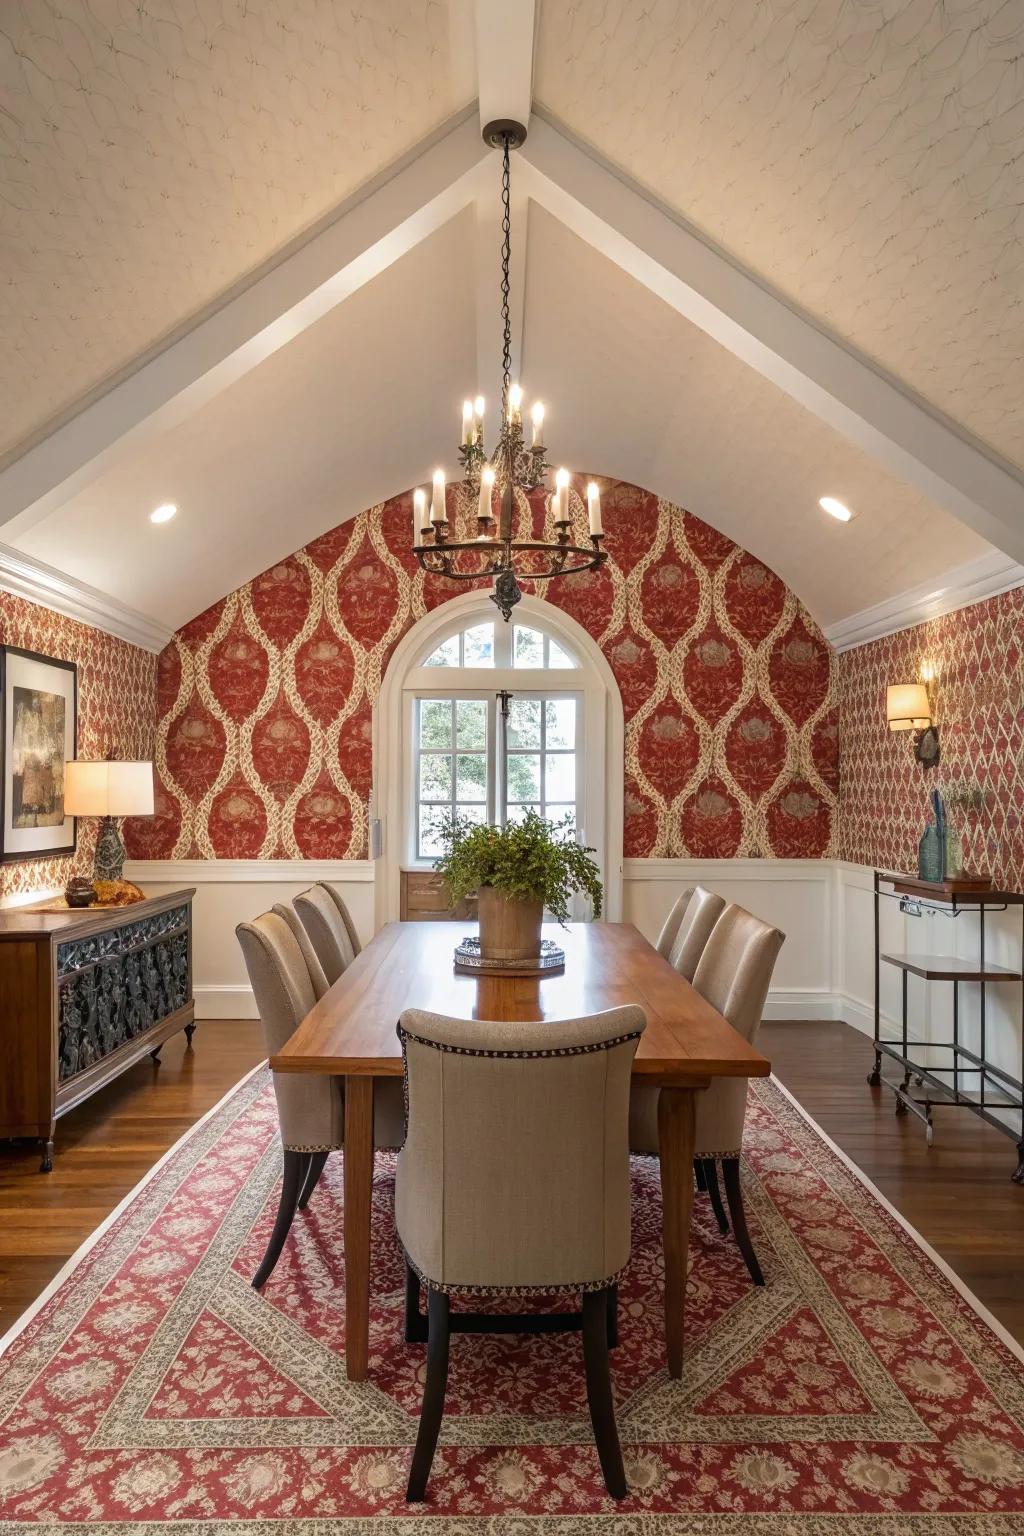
x,y
469,958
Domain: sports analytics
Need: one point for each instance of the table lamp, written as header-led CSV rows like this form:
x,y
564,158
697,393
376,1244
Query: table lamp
x,y
109,790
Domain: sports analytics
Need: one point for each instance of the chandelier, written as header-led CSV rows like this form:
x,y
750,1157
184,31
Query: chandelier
x,y
507,475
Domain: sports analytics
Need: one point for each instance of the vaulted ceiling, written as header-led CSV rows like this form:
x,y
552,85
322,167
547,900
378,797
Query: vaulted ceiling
x,y
173,172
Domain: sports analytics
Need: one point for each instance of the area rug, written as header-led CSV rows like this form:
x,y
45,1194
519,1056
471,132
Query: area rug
x,y
860,1391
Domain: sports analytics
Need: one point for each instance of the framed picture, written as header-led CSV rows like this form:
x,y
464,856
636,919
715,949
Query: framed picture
x,y
39,704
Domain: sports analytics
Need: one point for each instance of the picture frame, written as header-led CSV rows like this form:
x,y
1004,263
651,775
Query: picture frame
x,y
38,735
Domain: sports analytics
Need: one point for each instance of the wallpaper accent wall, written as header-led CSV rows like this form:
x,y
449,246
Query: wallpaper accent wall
x,y
977,698
115,713
264,701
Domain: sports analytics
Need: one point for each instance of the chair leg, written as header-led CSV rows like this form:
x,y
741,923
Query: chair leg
x,y
613,1316
295,1165
698,1174
415,1322
599,1391
433,1395
734,1195
317,1162
709,1167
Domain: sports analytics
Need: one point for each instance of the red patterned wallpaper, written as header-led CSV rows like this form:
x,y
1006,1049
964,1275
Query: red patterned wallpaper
x,y
264,701
977,697
115,713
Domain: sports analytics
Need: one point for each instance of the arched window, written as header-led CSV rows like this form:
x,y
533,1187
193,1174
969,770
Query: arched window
x,y
486,719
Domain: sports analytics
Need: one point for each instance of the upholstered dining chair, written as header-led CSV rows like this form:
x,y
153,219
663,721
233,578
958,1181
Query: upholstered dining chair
x,y
310,1109
702,912
670,927
331,930
734,975
514,1179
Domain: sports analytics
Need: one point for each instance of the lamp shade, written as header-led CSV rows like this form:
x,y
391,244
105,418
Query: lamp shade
x,y
907,707
108,789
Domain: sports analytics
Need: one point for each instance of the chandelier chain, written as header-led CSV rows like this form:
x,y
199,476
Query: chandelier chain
x,y
506,262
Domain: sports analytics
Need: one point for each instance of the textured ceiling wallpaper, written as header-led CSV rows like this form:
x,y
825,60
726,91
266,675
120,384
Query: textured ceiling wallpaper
x,y
866,158
154,154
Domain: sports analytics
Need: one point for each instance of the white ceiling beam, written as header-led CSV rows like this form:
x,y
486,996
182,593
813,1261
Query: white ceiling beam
x,y
365,235
839,386
504,59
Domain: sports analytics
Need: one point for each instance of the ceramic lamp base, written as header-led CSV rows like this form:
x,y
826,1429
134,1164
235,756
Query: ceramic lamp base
x,y
110,851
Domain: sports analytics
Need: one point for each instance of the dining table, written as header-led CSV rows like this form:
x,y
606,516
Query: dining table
x,y
351,1033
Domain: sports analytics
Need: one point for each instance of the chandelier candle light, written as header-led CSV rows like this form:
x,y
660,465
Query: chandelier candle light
x,y
506,476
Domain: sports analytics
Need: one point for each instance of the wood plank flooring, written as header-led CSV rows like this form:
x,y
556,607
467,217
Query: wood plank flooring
x,y
957,1194
103,1148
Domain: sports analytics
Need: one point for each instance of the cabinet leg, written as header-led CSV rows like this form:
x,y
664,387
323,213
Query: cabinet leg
x,y
875,1075
190,1030
46,1165
155,1055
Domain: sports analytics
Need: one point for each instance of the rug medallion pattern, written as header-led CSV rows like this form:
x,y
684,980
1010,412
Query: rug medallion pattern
x,y
858,1391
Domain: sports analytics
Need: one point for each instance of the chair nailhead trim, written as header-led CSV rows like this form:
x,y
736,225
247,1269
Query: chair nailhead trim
x,y
334,1146
555,1289
567,1050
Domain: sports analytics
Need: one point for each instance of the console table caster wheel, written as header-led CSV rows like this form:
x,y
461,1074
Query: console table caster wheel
x,y
875,1075
901,1108
154,1056
190,1030
1017,1176
46,1164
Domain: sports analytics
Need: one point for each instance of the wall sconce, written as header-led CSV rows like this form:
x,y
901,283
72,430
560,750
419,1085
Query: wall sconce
x,y
907,709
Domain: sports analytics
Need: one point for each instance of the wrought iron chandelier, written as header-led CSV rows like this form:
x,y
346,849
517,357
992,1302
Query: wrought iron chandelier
x,y
507,475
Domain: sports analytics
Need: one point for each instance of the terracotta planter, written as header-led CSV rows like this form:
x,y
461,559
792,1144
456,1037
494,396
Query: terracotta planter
x,y
509,930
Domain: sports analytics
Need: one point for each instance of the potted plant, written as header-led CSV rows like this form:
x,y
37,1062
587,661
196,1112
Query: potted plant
x,y
517,871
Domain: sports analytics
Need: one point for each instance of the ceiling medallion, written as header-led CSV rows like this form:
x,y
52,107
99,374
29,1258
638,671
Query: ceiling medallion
x,y
511,472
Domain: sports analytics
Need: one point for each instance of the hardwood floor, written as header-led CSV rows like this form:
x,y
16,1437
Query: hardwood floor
x,y
103,1148
956,1193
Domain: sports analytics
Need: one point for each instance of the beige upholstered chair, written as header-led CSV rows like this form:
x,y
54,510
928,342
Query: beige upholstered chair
x,y
702,913
311,1109
514,1178
734,974
331,930
670,927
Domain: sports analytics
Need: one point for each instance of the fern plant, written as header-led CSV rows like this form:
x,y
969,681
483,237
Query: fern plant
x,y
529,860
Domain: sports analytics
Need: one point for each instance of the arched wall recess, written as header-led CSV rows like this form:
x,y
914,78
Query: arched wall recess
x,y
602,758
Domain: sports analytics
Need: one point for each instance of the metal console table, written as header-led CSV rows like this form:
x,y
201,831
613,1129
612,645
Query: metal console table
x,y
997,1089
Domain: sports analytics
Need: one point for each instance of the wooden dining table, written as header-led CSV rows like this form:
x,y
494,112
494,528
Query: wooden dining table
x,y
351,1033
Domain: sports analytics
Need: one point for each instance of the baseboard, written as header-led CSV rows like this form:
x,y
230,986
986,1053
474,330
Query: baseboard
x,y
803,1003
235,1002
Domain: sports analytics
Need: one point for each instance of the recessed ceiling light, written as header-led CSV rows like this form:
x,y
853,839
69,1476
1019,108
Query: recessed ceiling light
x,y
163,513
835,508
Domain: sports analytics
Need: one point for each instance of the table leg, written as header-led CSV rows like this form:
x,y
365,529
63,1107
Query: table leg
x,y
676,1119
358,1200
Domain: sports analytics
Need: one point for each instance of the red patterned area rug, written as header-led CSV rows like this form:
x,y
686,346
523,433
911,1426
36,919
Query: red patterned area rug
x,y
152,1389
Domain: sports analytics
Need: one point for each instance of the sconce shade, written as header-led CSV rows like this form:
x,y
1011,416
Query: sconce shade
x,y
907,707
108,789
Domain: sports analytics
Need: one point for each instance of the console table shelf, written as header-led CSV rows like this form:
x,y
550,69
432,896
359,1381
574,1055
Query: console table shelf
x,y
83,995
993,1089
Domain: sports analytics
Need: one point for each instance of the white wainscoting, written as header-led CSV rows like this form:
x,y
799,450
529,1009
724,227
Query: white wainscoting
x,y
232,891
824,907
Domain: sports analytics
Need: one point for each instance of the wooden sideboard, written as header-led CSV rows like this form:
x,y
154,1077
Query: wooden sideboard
x,y
83,995
424,899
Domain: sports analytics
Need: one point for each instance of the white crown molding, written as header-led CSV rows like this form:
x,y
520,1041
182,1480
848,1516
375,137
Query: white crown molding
x,y
248,871
38,583
987,576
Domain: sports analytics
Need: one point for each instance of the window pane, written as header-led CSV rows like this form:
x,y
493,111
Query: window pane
x,y
436,723
518,812
435,777
470,777
432,818
524,723
471,722
560,776
446,655
477,813
478,646
524,776
527,648
560,722
558,813
557,657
